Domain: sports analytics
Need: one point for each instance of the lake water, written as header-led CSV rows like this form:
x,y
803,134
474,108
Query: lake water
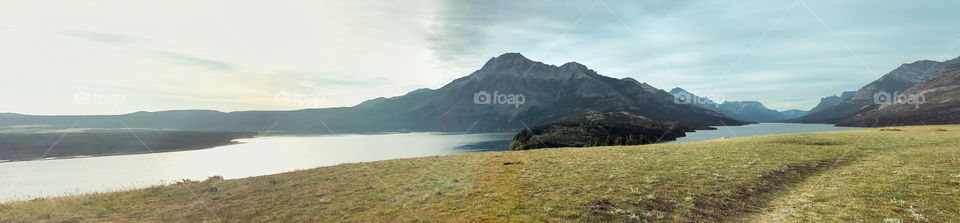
x,y
254,157
757,129
271,155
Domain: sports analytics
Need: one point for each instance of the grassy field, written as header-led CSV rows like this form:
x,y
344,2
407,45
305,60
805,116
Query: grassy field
x,y
907,174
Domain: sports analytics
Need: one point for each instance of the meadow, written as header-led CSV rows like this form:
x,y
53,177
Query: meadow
x,y
902,174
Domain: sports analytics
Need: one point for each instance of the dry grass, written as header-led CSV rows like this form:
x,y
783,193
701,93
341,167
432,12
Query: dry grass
x,y
860,175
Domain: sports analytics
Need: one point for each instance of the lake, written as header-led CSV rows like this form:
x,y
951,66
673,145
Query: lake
x,y
274,154
757,129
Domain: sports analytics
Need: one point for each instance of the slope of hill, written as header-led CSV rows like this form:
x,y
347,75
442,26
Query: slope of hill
x,y
480,101
863,175
898,80
934,101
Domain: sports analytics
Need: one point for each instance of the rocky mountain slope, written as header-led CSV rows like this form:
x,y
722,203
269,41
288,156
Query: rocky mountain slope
x,y
832,100
898,80
934,101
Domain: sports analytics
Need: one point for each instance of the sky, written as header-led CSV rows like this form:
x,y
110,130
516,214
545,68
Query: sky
x,y
115,57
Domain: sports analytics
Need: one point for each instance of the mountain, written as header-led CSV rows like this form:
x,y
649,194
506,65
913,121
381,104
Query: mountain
x,y
791,114
598,129
690,98
898,80
509,92
934,101
750,111
832,100
549,93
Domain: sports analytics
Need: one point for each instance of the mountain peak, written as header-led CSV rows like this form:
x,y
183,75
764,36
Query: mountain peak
x,y
509,58
512,56
506,61
517,66
574,64
630,79
677,90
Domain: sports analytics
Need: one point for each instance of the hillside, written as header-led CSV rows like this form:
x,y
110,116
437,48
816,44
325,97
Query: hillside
x,y
870,175
832,100
897,80
937,102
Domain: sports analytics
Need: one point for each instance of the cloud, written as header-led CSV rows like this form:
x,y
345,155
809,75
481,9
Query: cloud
x,y
320,79
103,37
198,62
730,48
344,48
464,31
167,53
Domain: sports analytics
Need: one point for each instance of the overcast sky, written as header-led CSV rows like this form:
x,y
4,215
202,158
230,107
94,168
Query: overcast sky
x,y
113,57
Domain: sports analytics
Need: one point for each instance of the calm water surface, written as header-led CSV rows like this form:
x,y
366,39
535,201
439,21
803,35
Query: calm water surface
x,y
757,129
271,155
254,157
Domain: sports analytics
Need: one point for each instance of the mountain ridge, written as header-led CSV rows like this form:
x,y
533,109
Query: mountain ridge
x,y
933,101
900,79
832,100
751,111
549,93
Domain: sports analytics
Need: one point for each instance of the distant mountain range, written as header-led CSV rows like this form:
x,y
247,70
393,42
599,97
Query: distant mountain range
x,y
509,92
862,102
750,111
832,100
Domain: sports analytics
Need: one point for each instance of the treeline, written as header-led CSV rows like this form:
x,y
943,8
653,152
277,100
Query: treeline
x,y
598,129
